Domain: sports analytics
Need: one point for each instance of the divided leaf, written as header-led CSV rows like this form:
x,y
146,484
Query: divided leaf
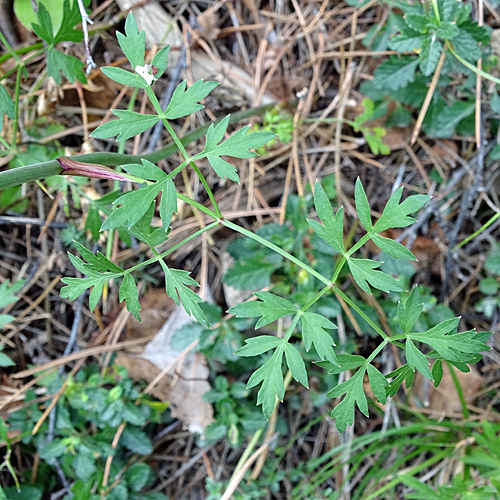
x,y
271,376
6,105
136,204
392,248
71,18
270,307
362,205
69,66
146,233
238,145
354,394
416,360
128,125
345,362
396,214
99,270
176,282
132,43
313,332
128,292
57,61
185,102
124,77
365,271
409,312
332,230
7,297
296,364
462,347
259,345
378,383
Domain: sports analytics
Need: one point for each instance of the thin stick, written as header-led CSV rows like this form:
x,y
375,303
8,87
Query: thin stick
x,y
428,98
480,15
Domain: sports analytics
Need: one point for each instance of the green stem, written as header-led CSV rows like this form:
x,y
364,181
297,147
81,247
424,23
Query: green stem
x,y
352,305
182,149
39,171
15,122
161,256
479,231
279,250
20,50
199,206
248,451
10,50
470,66
458,387
435,8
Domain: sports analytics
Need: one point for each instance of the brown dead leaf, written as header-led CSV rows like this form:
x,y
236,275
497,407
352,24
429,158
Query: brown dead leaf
x,y
209,24
443,400
185,379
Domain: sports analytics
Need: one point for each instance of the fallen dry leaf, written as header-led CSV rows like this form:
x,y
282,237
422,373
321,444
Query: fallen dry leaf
x,y
185,381
443,400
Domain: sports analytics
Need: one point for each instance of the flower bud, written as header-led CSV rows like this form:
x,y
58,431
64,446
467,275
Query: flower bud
x,y
73,167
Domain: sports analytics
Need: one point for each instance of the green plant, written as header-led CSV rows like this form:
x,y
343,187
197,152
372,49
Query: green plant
x,y
436,39
7,297
134,210
88,415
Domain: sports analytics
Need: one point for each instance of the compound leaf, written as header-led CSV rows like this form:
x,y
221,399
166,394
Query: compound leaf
x,y
344,362
43,29
71,17
314,333
71,67
437,372
269,306
124,77
6,105
456,347
362,205
185,102
144,231
160,60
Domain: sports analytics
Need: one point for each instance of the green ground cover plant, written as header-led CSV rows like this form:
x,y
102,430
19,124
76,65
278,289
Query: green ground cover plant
x,y
133,212
302,296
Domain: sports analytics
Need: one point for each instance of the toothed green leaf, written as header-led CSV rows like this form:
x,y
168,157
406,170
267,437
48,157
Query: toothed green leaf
x,y
269,306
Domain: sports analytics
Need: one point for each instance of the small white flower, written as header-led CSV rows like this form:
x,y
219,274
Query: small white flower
x,y
144,72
